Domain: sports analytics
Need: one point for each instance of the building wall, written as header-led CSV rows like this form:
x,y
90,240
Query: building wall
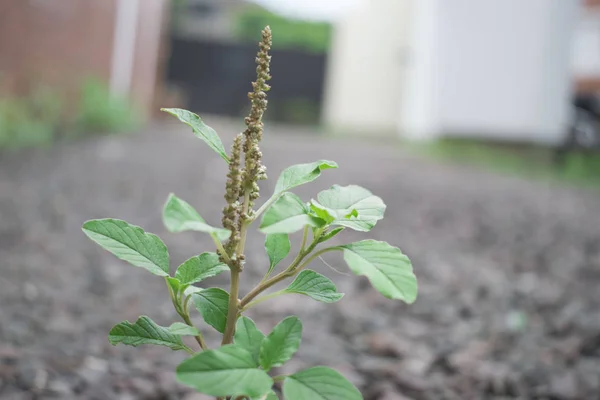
x,y
60,43
493,69
54,42
365,67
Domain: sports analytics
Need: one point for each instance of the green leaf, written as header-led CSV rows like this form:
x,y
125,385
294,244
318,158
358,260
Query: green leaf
x,y
174,284
212,303
302,173
287,215
389,271
281,344
179,216
181,329
278,247
200,267
352,206
226,371
190,290
130,243
201,130
331,234
248,336
314,285
319,383
269,396
145,331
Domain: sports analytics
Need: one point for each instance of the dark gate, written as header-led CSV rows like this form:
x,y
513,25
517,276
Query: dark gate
x,y
216,78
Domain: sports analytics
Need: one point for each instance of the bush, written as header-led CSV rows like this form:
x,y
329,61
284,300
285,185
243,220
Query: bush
x,y
99,112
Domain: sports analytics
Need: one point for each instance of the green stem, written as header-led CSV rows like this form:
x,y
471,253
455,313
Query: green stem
x,y
266,205
199,338
261,299
287,273
232,309
315,255
220,248
183,313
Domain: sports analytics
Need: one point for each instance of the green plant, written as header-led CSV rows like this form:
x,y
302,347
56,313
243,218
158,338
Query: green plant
x,y
239,368
99,111
33,120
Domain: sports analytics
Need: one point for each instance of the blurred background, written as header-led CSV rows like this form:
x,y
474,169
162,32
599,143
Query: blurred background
x,y
477,122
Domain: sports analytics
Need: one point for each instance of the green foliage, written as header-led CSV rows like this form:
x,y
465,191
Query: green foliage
x,y
316,286
278,247
319,383
288,215
281,344
240,366
179,216
248,336
200,129
198,268
225,371
389,271
146,331
130,243
311,36
34,120
351,206
43,116
181,329
100,112
300,174
212,304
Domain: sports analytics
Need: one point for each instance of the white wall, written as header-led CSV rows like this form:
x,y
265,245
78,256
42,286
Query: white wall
x,y
586,50
365,67
490,68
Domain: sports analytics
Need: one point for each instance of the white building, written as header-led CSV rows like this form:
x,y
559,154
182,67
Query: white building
x,y
501,69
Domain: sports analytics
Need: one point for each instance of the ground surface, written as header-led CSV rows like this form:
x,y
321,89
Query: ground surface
x,y
509,272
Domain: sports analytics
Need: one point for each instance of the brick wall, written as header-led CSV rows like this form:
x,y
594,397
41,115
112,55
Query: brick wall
x,y
61,42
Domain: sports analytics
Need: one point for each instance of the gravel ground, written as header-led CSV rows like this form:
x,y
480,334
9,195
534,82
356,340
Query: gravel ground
x,y
509,273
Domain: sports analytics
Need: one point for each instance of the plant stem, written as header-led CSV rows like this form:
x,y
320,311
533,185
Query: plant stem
x,y
261,299
182,310
288,272
232,309
315,255
220,248
266,205
199,338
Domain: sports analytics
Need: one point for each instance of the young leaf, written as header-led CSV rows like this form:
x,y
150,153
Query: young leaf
x,y
226,371
314,285
278,247
212,304
174,284
319,383
302,173
130,243
190,290
200,267
145,331
288,215
352,206
200,129
248,336
181,329
331,234
389,271
281,344
179,216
